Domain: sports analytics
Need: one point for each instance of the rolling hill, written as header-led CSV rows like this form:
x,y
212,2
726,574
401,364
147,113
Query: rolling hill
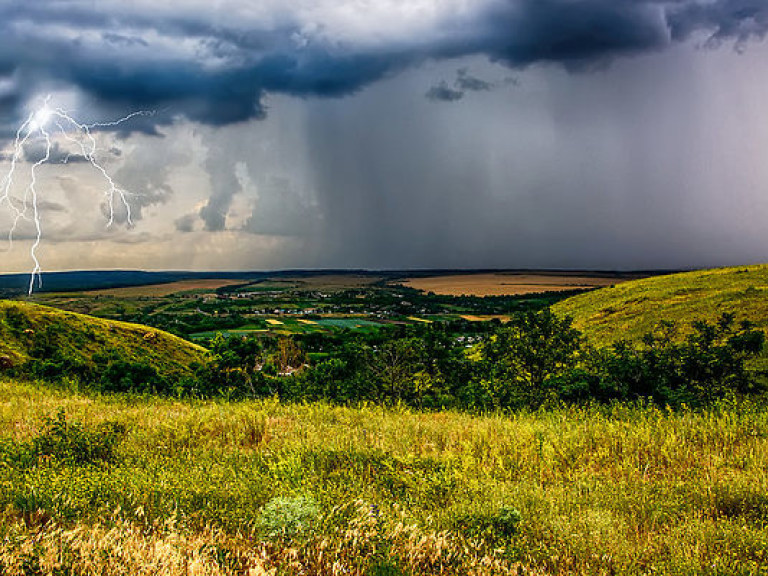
x,y
27,329
632,309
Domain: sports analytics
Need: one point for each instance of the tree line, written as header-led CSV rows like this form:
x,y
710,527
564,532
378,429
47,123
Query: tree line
x,y
535,360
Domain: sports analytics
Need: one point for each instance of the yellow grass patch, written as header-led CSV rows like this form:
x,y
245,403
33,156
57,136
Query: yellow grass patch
x,y
159,290
274,322
307,321
419,319
507,284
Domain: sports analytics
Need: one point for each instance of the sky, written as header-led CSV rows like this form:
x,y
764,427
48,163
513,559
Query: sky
x,y
387,134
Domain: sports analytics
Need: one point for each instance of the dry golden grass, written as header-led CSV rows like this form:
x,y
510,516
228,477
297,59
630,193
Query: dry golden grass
x,y
159,290
121,547
507,284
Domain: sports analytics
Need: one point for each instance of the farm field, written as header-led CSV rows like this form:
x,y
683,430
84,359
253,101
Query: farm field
x,y
312,489
160,290
508,283
285,304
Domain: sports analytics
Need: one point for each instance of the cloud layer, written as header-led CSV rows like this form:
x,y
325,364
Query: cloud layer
x,y
616,148
214,61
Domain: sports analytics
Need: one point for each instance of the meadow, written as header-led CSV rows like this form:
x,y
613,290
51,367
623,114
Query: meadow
x,y
262,487
628,311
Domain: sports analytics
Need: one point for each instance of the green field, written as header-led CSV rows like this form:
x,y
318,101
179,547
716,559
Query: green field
x,y
290,325
313,489
349,323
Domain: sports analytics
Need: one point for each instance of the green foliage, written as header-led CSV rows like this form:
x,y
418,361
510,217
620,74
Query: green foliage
x,y
520,360
535,360
385,567
233,369
288,517
118,374
708,365
620,488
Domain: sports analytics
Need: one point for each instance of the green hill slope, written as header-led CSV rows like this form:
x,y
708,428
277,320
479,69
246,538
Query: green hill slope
x,y
630,310
30,330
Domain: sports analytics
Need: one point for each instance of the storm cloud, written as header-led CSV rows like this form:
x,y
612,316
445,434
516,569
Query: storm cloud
x,y
465,82
214,62
396,133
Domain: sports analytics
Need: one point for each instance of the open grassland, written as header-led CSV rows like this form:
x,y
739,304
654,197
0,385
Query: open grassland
x,y
630,310
507,283
160,290
30,328
263,488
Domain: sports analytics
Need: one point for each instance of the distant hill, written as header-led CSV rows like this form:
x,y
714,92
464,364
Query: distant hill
x,y
16,284
630,310
26,329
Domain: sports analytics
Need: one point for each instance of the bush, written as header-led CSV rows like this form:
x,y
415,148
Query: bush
x,y
708,365
522,359
68,442
289,517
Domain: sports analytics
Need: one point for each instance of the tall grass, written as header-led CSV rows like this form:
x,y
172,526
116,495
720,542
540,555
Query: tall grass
x,y
228,488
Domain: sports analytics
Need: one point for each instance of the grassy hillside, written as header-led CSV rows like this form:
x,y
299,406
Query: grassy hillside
x,y
259,487
28,330
630,310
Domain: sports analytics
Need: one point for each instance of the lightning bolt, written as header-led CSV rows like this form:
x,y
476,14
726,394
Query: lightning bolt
x,y
42,125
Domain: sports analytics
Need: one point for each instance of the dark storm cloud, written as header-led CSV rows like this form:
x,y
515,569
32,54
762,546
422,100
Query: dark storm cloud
x,y
186,223
443,93
739,20
465,82
36,151
216,66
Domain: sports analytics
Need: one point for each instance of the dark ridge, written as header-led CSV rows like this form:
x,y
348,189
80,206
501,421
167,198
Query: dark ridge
x,y
75,281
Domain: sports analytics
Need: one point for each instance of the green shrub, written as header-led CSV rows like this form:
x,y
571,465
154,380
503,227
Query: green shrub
x,y
709,365
289,517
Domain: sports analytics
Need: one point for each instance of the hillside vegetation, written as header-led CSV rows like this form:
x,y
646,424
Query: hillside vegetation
x,y
630,310
32,335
